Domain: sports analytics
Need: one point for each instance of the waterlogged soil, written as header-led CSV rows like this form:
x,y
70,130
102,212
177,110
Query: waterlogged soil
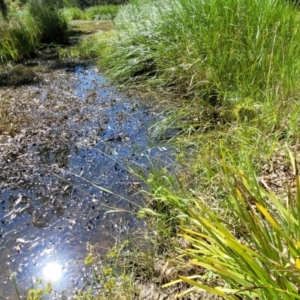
x,y
67,138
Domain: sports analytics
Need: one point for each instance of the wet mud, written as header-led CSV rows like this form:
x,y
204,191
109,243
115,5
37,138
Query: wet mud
x,y
66,139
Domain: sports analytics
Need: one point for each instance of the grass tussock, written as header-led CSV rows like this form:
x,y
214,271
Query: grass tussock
x,y
52,25
244,248
18,39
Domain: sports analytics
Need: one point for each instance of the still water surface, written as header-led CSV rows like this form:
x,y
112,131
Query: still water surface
x,y
63,170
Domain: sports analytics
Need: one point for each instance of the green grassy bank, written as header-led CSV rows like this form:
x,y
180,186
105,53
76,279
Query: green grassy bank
x,y
99,12
33,22
229,73
27,27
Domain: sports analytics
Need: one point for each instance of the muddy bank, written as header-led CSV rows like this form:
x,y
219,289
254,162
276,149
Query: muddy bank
x,y
66,139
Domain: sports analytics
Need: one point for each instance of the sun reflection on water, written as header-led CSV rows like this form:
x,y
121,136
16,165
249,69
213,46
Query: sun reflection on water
x,y
52,271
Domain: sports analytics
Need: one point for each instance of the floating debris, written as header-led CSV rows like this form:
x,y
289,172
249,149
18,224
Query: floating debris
x,y
62,162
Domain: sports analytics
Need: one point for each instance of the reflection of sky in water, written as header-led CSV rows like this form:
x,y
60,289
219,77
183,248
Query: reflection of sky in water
x,y
48,218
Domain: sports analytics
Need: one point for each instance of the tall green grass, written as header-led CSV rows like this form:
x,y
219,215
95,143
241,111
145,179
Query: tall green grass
x,y
230,70
18,38
73,13
238,48
53,26
100,12
243,240
251,252
26,29
236,54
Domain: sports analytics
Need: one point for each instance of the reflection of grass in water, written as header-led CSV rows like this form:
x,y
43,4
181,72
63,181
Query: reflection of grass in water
x,y
15,285
128,262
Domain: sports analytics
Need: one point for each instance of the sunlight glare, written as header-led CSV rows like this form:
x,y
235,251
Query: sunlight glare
x,y
52,271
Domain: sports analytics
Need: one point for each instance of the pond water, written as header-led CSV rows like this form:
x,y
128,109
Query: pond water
x,y
63,165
